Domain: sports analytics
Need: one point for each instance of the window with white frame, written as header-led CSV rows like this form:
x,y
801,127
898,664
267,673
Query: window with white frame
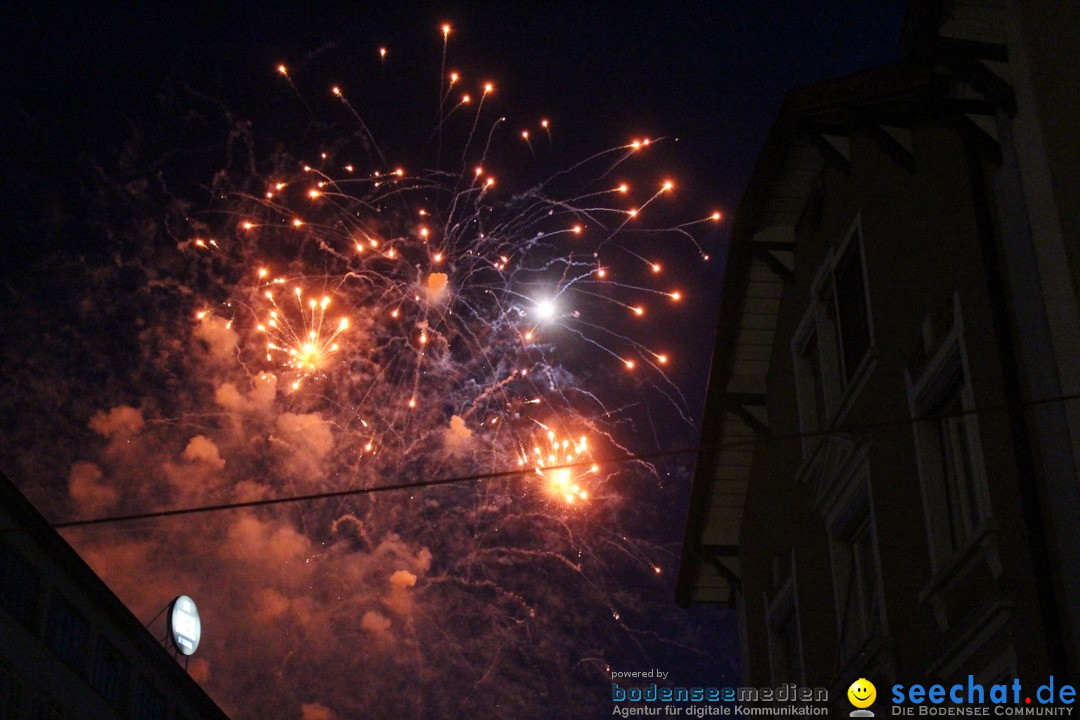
x,y
951,469
852,307
856,568
810,383
832,345
785,637
855,575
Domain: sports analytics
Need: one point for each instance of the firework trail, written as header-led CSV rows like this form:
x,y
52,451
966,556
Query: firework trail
x,y
350,323
453,299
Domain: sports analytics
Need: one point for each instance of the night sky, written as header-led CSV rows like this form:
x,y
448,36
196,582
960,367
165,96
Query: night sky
x,y
120,129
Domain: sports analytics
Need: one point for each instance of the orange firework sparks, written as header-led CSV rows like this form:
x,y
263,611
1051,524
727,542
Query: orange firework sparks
x,y
564,465
302,339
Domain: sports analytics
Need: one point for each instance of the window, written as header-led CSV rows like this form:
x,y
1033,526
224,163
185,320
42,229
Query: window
x,y
149,702
785,641
44,710
949,460
855,577
67,632
947,442
810,384
109,674
853,551
11,694
785,653
21,588
851,308
834,340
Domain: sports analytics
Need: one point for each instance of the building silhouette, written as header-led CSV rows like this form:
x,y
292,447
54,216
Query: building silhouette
x,y
69,649
889,484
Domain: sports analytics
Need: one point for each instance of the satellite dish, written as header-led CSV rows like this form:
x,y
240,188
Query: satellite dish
x,y
185,627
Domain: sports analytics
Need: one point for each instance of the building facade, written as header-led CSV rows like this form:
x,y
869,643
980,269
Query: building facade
x,y
889,487
69,649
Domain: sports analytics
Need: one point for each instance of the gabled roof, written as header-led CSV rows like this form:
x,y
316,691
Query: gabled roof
x,y
813,129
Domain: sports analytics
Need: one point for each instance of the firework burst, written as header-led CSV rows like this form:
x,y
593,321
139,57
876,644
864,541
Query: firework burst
x,y
355,323
305,343
454,294
560,464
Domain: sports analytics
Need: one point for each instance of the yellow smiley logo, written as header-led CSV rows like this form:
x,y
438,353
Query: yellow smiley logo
x,y
862,693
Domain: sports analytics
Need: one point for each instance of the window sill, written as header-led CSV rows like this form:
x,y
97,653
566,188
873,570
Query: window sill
x,y
812,445
817,448
873,652
855,387
873,659
980,545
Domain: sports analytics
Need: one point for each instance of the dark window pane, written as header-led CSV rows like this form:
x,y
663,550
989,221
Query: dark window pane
x,y
11,695
149,703
851,308
791,642
851,634
20,588
953,454
784,642
832,345
43,710
67,632
855,570
866,568
109,674
821,410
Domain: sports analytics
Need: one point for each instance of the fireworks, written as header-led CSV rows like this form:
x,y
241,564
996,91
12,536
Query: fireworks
x,y
455,299
305,343
560,464
354,322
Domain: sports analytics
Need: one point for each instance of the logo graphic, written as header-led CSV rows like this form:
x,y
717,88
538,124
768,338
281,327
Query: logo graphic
x,y
184,624
862,694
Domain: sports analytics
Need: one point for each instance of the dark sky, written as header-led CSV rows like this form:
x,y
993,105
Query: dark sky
x,y
149,89
711,74
96,102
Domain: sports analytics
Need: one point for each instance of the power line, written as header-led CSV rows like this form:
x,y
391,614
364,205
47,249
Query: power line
x,y
478,477
362,491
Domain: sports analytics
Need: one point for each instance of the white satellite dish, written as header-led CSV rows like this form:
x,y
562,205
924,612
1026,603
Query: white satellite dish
x,y
185,627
